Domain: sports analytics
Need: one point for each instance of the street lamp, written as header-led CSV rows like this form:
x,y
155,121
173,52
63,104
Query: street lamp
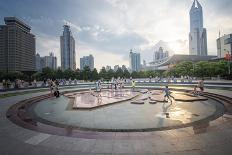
x,y
229,61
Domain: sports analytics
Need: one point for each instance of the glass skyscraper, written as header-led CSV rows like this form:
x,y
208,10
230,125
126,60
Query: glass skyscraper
x,y
67,48
135,62
197,35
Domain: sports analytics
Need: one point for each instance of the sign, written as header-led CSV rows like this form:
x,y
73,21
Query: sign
x,y
228,56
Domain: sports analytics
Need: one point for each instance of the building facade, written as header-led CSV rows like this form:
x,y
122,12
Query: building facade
x,y
46,61
134,61
198,34
108,68
116,67
160,54
224,45
17,46
67,48
38,63
87,61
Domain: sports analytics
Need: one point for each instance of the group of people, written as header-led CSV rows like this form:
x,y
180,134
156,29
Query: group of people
x,y
54,87
200,85
117,83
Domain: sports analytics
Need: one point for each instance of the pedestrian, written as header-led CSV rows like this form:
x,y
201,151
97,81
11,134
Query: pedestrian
x,y
55,89
201,85
167,94
195,92
50,84
133,85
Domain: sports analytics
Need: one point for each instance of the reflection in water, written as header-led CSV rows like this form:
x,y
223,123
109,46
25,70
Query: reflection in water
x,y
200,127
174,112
180,114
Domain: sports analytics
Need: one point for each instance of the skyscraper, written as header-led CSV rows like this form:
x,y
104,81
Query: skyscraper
x,y
17,46
46,61
67,48
224,45
134,61
50,61
87,61
197,35
160,54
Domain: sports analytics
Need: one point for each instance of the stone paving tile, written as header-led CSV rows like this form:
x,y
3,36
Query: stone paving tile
x,y
103,146
217,140
226,149
123,147
84,145
189,152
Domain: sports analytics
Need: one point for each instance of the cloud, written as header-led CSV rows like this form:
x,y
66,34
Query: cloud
x,y
112,27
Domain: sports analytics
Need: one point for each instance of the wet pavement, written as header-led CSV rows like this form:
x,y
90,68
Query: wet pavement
x,y
206,138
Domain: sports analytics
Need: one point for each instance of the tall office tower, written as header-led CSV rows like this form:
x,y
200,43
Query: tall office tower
x,y
124,67
108,68
87,61
17,46
134,61
38,63
197,35
160,54
50,61
116,67
224,45
67,48
46,61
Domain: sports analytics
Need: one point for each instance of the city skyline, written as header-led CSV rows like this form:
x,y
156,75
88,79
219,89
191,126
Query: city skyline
x,y
135,25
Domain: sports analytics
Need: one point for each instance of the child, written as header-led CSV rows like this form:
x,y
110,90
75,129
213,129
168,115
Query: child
x,y
167,94
55,89
133,85
195,92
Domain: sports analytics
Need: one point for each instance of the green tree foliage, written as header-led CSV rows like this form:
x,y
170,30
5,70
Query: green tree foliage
x,y
199,69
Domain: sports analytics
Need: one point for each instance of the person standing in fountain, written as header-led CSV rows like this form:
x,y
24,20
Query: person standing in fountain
x,y
201,85
98,86
56,89
133,85
167,94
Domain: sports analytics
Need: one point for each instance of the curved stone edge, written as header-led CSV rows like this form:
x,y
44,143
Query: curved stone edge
x,y
49,124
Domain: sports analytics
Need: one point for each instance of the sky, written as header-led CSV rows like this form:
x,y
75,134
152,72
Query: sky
x,y
108,29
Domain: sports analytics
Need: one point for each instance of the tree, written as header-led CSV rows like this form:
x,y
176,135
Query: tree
x,y
59,74
94,75
47,73
68,73
126,73
103,73
119,72
86,73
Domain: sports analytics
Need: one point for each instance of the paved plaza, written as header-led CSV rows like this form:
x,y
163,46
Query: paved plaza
x,y
196,127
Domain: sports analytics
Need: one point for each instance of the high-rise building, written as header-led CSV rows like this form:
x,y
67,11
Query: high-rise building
x,y
197,35
160,54
134,61
38,63
116,67
224,45
67,48
46,61
108,68
87,61
17,46
124,67
50,61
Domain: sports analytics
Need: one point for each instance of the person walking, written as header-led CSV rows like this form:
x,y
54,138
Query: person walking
x,y
55,89
201,85
167,94
133,85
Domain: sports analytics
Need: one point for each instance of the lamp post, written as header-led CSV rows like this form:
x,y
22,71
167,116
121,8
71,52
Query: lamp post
x,y
229,62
